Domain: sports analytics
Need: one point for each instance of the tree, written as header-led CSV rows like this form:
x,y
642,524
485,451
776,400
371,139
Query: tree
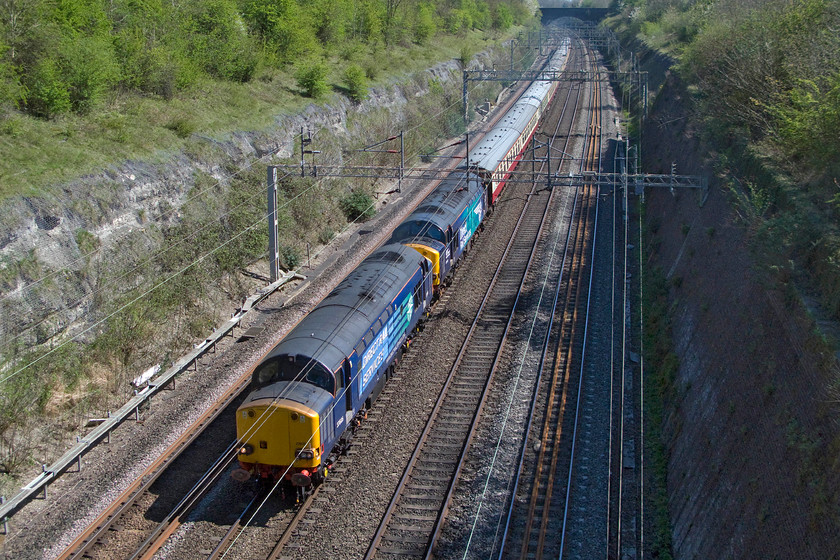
x,y
424,24
502,17
312,79
391,7
11,90
220,41
356,81
368,21
284,27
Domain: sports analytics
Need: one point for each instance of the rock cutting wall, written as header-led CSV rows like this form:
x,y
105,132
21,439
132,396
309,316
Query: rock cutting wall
x,y
752,431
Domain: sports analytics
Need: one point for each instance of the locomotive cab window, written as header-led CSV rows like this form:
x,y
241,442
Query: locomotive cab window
x,y
287,368
416,230
322,378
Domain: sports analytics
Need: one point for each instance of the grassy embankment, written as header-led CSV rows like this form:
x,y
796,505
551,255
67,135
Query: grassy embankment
x,y
40,153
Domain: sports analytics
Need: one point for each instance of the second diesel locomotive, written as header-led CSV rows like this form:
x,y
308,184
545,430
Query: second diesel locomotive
x,y
314,387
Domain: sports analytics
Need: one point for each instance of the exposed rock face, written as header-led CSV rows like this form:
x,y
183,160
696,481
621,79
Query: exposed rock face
x,y
751,432
128,204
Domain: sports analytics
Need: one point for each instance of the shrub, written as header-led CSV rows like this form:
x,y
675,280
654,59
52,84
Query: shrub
x,y
466,55
358,206
90,69
290,257
454,21
325,235
181,126
86,241
312,79
356,81
48,93
285,27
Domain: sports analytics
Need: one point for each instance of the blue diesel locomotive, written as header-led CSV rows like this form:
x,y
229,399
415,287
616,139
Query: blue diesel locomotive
x,y
444,223
312,386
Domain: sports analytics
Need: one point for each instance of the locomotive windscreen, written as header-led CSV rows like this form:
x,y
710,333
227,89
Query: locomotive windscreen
x,y
415,230
287,368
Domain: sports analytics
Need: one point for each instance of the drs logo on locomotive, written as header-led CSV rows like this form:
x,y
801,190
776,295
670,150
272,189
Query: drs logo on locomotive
x,y
374,356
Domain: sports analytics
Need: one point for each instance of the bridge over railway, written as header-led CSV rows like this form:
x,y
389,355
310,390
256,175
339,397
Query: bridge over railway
x,y
553,9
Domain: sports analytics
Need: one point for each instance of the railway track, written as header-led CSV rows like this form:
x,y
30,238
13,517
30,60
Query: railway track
x,y
349,512
479,511
413,519
109,528
536,524
626,505
570,356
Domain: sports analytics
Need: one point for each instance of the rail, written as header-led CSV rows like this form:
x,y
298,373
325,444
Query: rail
x,y
530,528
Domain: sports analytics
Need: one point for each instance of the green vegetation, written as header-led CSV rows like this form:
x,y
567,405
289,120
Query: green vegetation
x,y
127,80
358,206
66,56
312,79
662,366
356,81
766,78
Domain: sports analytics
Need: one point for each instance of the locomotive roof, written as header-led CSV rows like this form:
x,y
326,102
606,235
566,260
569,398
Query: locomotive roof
x,y
449,199
331,330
